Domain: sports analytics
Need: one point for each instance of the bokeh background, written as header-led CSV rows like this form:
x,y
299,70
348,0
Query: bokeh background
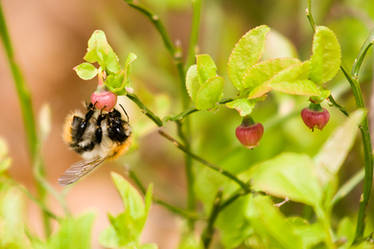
x,y
50,38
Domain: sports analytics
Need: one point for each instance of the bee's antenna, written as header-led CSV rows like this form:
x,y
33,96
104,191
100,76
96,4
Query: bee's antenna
x,y
128,119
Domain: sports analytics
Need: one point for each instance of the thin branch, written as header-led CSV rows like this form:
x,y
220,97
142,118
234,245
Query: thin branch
x,y
242,184
174,51
361,56
190,111
366,139
364,128
160,27
27,113
309,15
176,210
207,235
194,37
145,110
341,108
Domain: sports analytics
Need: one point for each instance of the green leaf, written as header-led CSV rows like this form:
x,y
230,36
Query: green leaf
x,y
118,82
243,106
346,232
247,52
86,71
148,246
206,67
288,175
264,71
5,161
299,87
192,82
326,58
74,233
270,224
131,199
11,218
310,234
189,241
209,93
297,71
101,52
126,228
233,223
333,153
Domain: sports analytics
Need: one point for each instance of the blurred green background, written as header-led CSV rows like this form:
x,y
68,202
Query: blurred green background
x,y
50,38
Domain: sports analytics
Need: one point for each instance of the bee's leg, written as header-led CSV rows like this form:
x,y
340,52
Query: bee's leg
x,y
99,131
128,119
80,125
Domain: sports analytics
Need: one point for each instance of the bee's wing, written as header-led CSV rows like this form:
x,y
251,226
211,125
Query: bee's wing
x,y
79,169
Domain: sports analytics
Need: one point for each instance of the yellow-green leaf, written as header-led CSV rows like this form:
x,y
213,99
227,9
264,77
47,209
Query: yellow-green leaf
x,y
86,71
209,93
288,175
244,106
192,82
264,71
326,58
206,67
247,51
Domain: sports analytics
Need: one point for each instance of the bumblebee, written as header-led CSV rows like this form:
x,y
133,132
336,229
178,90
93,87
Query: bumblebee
x,y
97,135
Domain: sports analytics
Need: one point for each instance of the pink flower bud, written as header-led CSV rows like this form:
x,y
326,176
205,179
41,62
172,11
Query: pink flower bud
x,y
249,135
315,118
104,100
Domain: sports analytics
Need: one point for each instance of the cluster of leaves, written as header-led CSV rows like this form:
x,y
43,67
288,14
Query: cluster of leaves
x,y
115,78
73,232
256,221
254,79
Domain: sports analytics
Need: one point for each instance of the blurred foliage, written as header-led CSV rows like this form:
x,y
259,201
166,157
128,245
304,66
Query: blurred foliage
x,y
290,163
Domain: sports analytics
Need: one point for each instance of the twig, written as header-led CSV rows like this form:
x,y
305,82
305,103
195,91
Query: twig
x,y
341,108
194,37
361,56
27,113
207,235
309,15
184,114
364,128
145,110
174,51
176,210
242,184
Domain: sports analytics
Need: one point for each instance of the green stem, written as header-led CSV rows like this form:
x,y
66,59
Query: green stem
x,y
242,184
190,111
174,51
361,56
176,210
325,221
177,55
145,110
194,37
309,15
368,179
364,129
341,108
27,113
207,235
191,203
